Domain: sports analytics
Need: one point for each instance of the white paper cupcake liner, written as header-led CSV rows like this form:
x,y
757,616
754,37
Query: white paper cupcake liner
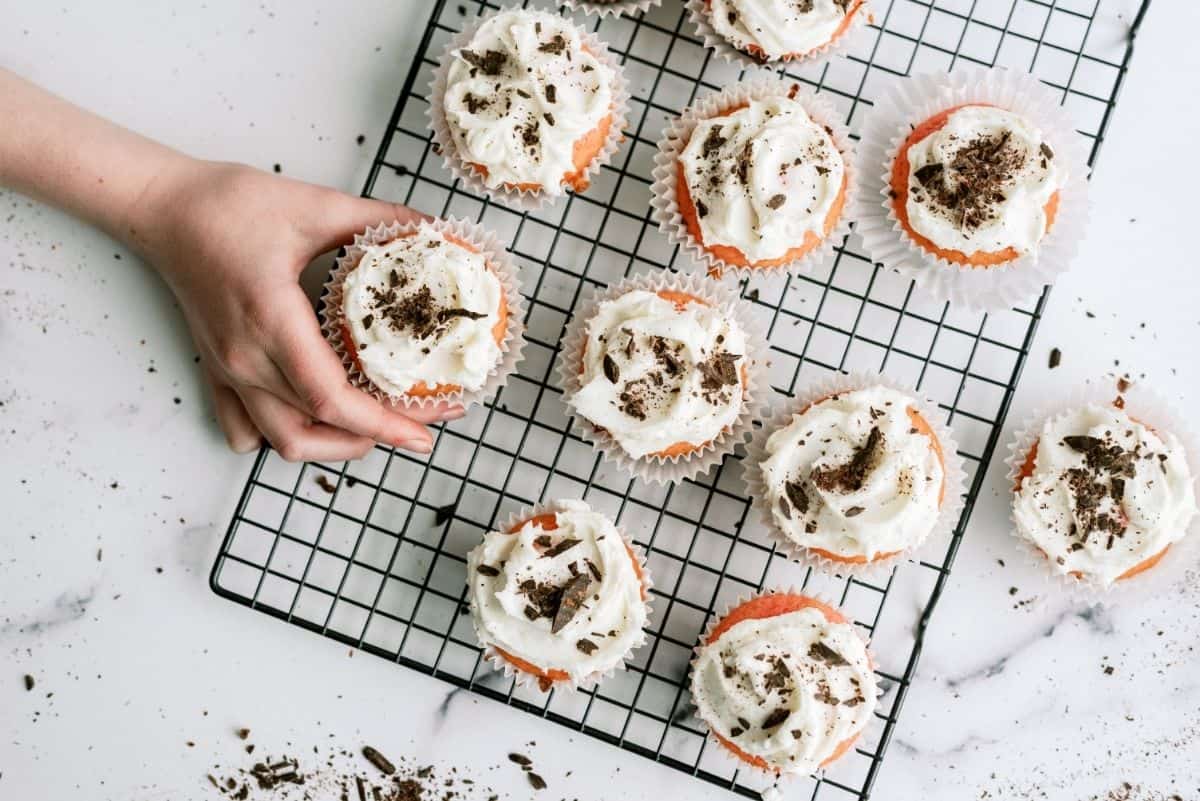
x,y
714,621
879,569
529,681
908,103
698,13
494,255
663,469
526,200
612,8
1152,410
679,132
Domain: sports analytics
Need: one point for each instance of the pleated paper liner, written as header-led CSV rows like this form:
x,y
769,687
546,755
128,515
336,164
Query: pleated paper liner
x,y
526,200
612,8
698,14
907,104
1152,410
878,570
679,132
669,469
494,255
732,760
529,681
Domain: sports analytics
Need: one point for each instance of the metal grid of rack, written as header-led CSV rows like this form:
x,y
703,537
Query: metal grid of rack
x,y
371,553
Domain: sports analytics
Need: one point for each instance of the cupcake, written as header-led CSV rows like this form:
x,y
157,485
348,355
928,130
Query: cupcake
x,y
981,193
764,31
527,104
659,369
853,477
754,177
784,682
976,185
1101,494
425,312
557,595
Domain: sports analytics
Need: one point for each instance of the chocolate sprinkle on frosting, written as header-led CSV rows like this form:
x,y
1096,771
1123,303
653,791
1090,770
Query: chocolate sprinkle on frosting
x,y
776,201
775,718
851,476
611,371
823,653
975,179
586,646
563,546
555,46
571,601
490,63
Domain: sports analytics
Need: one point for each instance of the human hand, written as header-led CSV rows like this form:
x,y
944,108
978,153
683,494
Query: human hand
x,y
231,242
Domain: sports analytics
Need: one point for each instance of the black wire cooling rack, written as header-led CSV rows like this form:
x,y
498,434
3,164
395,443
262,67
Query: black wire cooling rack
x,y
371,553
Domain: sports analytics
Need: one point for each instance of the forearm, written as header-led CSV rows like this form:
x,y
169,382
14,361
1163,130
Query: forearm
x,y
72,159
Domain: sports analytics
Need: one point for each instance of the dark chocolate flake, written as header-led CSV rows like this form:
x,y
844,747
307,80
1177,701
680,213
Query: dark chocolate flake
x,y
571,601
776,201
563,546
487,570
854,511
586,646
611,371
823,653
775,718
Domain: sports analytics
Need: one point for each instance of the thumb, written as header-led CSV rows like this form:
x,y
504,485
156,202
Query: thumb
x,y
341,216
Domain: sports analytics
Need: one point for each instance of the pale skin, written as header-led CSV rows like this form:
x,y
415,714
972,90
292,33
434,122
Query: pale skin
x,y
230,241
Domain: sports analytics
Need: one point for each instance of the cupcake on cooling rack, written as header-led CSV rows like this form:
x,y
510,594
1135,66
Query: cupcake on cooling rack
x,y
558,596
854,476
755,177
784,683
1103,493
764,31
425,312
662,374
983,197
526,105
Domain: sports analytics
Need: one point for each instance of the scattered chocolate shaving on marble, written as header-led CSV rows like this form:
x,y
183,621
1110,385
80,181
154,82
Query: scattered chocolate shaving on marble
x,y
29,683
444,513
536,781
378,760
570,601
520,759
1055,358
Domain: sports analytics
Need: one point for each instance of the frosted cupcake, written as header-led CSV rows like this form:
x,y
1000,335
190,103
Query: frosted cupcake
x,y
1102,495
660,370
764,31
784,683
754,177
527,104
557,595
425,312
976,185
853,478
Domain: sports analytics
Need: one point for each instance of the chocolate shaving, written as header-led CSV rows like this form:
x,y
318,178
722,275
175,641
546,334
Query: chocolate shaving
x,y
776,201
536,781
563,546
551,93
570,602
611,371
595,571
775,718
520,759
970,185
490,63
367,320
797,495
555,46
823,653
1055,358
475,104
853,511
718,371
851,476
587,646
712,142
736,731
378,760
487,570
1045,150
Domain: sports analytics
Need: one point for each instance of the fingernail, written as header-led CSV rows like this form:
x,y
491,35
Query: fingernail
x,y
454,413
415,445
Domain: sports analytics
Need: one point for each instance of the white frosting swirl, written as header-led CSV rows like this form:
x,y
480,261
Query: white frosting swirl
x,y
889,504
663,359
1151,507
816,671
506,571
521,94
762,177
1018,219
779,27
460,350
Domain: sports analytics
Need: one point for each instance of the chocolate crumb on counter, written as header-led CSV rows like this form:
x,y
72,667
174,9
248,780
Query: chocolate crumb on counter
x,y
324,483
1055,358
444,514
29,683
378,760
536,781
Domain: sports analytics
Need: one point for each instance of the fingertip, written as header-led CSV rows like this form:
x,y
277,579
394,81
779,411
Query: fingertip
x,y
244,445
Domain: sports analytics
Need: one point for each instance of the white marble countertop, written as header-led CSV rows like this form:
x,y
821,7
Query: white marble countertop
x,y
107,444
